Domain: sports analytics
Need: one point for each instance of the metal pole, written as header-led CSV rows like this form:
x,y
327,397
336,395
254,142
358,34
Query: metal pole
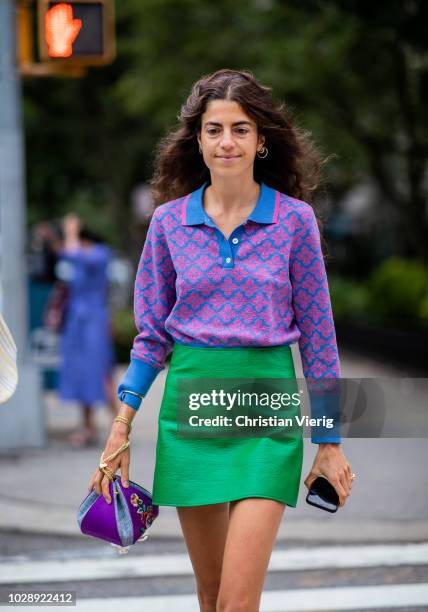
x,y
24,423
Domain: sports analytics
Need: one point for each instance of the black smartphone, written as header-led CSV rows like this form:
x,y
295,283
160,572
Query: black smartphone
x,y
323,495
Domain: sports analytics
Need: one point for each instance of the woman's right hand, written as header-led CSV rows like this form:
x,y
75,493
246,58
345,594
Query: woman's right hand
x,y
99,481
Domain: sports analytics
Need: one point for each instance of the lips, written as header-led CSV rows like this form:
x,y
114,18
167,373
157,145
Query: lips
x,y
228,156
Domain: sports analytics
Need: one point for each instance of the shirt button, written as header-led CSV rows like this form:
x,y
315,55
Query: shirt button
x,y
235,240
228,260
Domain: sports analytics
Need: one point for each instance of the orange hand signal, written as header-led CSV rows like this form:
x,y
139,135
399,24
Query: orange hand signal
x,y
61,30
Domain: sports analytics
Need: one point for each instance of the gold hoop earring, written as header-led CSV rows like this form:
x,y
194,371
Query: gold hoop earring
x,y
264,153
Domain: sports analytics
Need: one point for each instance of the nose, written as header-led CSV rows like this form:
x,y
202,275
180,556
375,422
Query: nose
x,y
226,140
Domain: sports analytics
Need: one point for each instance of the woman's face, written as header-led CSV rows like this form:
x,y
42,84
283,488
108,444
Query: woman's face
x,y
228,139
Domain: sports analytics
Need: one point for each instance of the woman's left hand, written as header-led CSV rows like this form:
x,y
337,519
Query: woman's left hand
x,y
330,461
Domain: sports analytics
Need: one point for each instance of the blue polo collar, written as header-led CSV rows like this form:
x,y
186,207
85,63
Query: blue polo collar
x,y
265,211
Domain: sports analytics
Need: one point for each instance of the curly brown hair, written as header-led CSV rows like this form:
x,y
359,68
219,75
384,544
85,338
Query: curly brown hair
x,y
293,165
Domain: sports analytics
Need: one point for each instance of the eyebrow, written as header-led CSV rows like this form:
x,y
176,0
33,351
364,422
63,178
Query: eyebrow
x,y
236,123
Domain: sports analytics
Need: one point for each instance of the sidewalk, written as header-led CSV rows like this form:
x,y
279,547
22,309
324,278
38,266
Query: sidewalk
x,y
42,489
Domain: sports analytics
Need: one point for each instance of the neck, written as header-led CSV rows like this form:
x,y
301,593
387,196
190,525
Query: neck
x,y
231,195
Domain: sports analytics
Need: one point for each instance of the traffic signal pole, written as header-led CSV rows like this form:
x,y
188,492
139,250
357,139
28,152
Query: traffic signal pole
x,y
92,44
21,418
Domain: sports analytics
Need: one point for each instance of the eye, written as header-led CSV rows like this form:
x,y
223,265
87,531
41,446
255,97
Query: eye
x,y
243,131
212,131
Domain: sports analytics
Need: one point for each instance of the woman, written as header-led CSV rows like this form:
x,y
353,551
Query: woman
x,y
85,373
229,263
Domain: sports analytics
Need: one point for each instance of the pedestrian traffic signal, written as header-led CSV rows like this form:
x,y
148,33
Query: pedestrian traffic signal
x,y
77,33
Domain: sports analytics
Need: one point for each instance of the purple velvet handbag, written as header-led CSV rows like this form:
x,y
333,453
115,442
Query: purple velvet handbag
x,y
123,522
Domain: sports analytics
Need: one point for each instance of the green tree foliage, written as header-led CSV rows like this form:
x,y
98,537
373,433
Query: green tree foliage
x,y
354,73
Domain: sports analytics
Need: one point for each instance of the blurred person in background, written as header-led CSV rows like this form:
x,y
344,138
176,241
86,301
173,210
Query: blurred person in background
x,y
87,355
45,242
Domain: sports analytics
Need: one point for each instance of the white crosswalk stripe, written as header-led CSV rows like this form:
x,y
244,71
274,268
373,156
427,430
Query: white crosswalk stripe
x,y
133,566
296,600
74,566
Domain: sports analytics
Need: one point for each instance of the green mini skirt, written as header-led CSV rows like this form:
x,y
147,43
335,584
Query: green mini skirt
x,y
212,470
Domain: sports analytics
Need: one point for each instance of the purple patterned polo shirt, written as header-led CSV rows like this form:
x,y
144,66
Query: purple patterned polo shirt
x,y
265,285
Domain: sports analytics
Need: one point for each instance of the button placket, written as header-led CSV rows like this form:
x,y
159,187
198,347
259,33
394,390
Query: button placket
x,y
226,253
235,240
225,250
227,247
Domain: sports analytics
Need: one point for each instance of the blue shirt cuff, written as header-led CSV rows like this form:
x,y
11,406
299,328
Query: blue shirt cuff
x,y
325,407
137,381
130,399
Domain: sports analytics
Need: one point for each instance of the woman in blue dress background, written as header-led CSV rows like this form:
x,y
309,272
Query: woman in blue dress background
x,y
87,356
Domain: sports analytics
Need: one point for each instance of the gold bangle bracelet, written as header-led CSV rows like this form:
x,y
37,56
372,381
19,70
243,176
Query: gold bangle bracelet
x,y
122,419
